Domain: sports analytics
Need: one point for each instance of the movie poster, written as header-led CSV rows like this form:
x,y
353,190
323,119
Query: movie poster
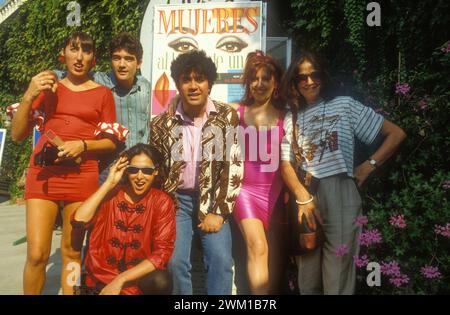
x,y
226,31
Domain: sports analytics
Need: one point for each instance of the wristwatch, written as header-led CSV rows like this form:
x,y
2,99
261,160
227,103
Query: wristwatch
x,y
373,163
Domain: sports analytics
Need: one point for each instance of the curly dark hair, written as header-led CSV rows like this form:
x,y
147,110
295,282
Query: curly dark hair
x,y
289,87
197,61
128,42
156,157
258,60
87,43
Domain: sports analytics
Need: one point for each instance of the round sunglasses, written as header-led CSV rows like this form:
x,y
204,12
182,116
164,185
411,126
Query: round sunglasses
x,y
134,170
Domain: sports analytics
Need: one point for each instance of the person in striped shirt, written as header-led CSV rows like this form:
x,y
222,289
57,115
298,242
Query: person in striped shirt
x,y
326,127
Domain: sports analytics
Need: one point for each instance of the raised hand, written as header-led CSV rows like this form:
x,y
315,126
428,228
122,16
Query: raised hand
x,y
43,81
116,171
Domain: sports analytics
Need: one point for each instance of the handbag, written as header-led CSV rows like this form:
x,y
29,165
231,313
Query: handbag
x,y
303,239
48,155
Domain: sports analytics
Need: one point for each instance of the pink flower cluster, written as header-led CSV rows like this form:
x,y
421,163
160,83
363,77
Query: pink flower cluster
x,y
446,184
399,281
361,220
392,270
447,48
402,88
341,250
361,261
442,230
423,105
382,111
398,221
370,237
430,272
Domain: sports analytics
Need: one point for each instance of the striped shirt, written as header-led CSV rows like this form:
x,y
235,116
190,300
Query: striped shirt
x,y
132,107
326,134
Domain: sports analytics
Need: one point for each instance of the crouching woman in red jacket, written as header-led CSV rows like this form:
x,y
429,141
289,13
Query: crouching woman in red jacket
x,y
132,228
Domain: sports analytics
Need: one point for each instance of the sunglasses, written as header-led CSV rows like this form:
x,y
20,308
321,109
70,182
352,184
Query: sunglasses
x,y
315,76
134,170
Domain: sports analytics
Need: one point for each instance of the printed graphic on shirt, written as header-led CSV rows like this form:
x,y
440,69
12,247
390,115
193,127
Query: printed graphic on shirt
x,y
317,136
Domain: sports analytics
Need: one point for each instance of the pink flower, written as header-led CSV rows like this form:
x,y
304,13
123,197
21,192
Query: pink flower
x,y
370,237
360,261
430,272
423,105
341,250
398,221
442,230
291,285
446,184
380,110
447,48
402,88
361,220
390,269
399,280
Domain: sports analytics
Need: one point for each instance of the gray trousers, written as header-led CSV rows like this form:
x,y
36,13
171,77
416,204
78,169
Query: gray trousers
x,y
322,271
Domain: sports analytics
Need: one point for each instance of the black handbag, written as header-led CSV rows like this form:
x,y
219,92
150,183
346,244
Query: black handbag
x,y
48,155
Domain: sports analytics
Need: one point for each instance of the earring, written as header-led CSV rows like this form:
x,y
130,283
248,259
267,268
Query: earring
x,y
62,59
275,93
94,62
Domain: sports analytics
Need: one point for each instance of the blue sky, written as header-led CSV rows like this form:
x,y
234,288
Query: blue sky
x,y
2,2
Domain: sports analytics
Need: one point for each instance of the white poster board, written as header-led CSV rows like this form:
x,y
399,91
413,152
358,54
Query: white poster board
x,y
227,31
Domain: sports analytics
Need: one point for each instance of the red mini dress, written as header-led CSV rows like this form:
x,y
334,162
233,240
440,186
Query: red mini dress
x,y
72,115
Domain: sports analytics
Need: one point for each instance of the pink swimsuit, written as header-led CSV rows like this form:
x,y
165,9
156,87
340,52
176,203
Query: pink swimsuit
x,y
260,189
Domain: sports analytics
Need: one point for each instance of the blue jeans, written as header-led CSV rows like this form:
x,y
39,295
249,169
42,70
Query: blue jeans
x,y
217,256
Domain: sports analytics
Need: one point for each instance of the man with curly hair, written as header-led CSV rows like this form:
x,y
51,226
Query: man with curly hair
x,y
205,172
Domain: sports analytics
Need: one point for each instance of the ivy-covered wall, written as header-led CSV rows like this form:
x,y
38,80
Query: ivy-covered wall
x,y
30,42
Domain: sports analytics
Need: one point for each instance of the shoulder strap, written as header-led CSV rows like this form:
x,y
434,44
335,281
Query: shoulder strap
x,y
297,153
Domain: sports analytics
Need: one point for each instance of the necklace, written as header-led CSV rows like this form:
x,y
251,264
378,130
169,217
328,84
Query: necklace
x,y
322,141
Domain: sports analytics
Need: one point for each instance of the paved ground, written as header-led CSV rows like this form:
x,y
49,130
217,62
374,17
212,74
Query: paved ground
x,y
12,228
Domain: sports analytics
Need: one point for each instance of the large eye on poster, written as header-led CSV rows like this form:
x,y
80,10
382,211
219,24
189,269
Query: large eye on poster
x,y
226,31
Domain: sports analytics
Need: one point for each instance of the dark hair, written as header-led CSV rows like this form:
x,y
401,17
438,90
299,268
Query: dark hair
x,y
87,43
128,42
254,62
154,155
289,87
197,61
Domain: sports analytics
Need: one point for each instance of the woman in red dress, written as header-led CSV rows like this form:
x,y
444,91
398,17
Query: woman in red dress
x,y
132,234
73,109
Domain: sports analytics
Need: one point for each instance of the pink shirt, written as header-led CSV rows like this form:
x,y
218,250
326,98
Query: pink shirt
x,y
192,137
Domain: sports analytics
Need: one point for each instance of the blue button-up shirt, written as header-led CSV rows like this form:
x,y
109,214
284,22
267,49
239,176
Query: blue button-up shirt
x,y
132,107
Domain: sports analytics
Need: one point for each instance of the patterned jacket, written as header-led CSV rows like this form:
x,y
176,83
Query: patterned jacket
x,y
219,178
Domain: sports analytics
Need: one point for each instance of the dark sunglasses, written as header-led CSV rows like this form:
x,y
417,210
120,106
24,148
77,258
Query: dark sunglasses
x,y
315,75
134,170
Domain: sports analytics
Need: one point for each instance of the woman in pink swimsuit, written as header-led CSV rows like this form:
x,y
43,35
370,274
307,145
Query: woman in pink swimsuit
x,y
261,117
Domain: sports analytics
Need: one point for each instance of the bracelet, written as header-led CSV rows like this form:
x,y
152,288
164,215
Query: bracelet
x,y
302,203
84,145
